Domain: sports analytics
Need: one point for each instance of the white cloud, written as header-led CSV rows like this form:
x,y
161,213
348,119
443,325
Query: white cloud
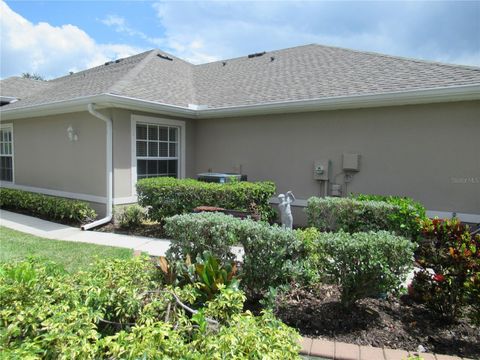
x,y
119,24
50,50
205,31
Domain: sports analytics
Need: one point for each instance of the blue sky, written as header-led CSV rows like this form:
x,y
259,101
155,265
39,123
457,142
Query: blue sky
x,y
54,37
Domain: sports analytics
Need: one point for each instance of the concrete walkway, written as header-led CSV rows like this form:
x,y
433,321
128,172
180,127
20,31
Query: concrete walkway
x,y
50,230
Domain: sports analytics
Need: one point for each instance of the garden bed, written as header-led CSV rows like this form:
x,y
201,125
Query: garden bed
x,y
150,229
391,322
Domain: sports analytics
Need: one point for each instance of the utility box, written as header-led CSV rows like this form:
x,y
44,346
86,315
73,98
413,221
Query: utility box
x,y
221,177
350,162
321,169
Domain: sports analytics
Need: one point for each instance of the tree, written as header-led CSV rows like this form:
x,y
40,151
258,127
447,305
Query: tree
x,y
32,76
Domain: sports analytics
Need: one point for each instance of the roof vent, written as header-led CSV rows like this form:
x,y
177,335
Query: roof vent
x,y
272,58
118,60
165,57
256,55
108,63
224,63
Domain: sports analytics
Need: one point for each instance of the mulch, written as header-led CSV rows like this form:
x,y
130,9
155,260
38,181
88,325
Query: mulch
x,y
391,322
152,229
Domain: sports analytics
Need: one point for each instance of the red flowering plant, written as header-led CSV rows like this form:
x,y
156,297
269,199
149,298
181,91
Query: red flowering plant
x,y
449,257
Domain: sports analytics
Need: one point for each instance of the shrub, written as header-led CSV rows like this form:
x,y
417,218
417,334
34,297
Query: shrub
x,y
132,216
351,215
48,313
47,207
271,252
252,337
193,234
453,254
170,196
409,209
365,264
311,260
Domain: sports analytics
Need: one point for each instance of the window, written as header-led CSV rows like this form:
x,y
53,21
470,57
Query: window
x,y
6,153
157,150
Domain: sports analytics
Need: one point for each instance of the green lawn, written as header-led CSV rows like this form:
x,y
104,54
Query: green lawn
x,y
15,245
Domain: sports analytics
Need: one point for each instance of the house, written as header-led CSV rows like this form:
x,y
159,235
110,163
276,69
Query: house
x,y
317,120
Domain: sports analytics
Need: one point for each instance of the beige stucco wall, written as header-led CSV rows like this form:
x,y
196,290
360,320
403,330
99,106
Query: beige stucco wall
x,y
428,152
44,157
422,151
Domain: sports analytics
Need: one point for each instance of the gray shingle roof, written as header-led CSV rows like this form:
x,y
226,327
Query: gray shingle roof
x,y
20,87
299,73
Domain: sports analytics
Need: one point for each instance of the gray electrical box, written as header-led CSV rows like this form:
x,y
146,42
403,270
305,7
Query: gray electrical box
x,y
321,169
350,162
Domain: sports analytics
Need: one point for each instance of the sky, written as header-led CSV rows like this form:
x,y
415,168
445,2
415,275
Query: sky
x,y
52,38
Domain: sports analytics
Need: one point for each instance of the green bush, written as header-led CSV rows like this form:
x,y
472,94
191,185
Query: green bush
x,y
169,196
272,254
46,207
409,209
352,215
131,216
46,313
311,260
193,234
365,264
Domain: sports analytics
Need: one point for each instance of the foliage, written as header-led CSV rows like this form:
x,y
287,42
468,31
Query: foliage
x,y
208,273
252,337
47,207
453,254
42,315
192,234
408,209
352,215
272,254
117,289
170,196
311,260
32,76
48,313
132,216
365,264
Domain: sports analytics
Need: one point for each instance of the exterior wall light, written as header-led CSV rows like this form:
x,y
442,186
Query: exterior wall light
x,y
71,133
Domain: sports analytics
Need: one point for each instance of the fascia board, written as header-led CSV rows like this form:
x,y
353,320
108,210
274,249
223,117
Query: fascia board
x,y
424,96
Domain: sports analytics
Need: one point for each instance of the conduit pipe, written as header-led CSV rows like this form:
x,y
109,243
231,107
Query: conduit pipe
x,y
109,174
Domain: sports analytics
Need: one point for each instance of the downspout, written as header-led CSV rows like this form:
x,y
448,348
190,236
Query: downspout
x,y
109,174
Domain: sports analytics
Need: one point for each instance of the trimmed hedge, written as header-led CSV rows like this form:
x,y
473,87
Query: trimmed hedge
x,y
352,215
168,196
365,264
272,254
46,207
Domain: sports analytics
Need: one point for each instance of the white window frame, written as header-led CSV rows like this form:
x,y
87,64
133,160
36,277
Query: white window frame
x,y
10,127
156,121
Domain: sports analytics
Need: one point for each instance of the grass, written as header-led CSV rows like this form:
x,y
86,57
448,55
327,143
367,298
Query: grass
x,y
73,256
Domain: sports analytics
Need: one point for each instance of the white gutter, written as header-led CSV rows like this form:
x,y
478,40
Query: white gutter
x,y
109,173
424,96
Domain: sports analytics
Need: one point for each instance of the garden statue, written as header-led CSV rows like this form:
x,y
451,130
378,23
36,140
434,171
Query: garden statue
x,y
285,211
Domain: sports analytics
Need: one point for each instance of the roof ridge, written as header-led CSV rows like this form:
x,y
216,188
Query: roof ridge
x,y
120,84
244,56
397,57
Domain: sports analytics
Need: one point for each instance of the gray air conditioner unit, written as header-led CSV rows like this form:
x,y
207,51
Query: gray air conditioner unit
x,y
221,177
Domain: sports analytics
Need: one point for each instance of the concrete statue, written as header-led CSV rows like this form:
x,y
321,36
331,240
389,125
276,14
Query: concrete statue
x,y
285,212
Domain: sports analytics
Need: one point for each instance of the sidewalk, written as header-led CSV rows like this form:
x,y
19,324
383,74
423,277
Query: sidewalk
x,y
50,230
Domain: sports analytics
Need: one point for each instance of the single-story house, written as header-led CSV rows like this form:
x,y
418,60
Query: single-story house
x,y
317,120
